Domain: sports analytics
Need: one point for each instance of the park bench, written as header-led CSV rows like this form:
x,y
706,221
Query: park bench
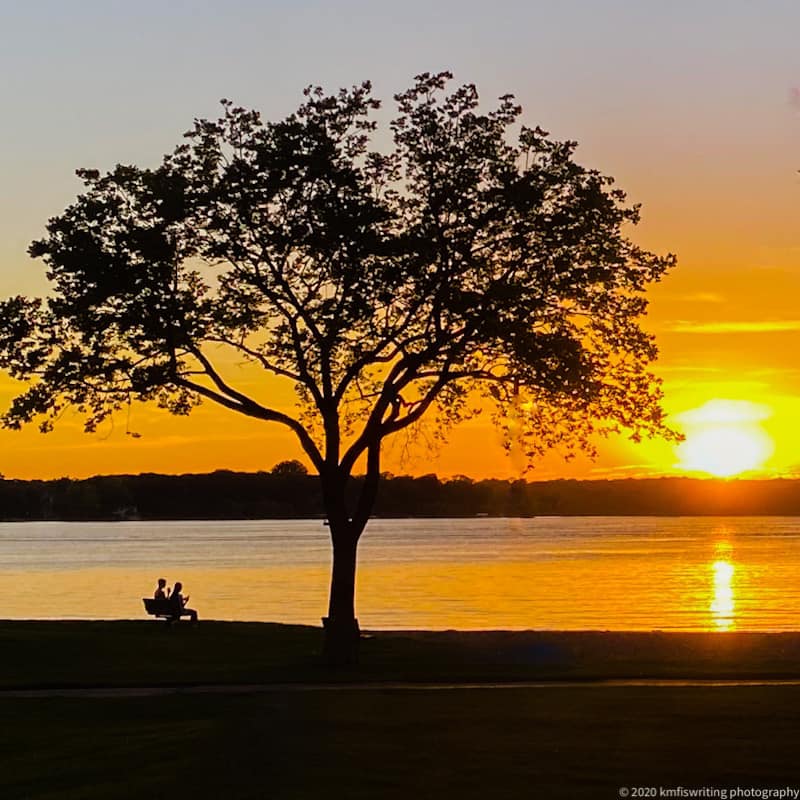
x,y
162,609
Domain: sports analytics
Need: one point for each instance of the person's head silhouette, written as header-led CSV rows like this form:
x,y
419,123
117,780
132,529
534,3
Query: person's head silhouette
x,y
162,582
178,587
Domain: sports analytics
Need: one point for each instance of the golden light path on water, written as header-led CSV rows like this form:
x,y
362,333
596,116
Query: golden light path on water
x,y
601,573
722,606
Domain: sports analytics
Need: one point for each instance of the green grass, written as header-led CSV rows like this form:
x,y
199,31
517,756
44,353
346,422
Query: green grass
x,y
147,653
152,653
365,744
551,743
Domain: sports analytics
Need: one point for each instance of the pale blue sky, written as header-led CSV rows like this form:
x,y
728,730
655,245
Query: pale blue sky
x,y
642,85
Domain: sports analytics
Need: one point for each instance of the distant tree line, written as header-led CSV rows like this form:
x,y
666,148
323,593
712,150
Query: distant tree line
x,y
287,492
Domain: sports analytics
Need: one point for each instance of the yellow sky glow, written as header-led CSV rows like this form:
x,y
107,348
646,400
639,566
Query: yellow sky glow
x,y
708,143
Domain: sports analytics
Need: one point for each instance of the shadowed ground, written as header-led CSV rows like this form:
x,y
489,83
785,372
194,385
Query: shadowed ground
x,y
545,742
150,653
539,743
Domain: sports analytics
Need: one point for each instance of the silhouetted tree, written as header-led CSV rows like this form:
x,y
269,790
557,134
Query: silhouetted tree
x,y
464,264
292,467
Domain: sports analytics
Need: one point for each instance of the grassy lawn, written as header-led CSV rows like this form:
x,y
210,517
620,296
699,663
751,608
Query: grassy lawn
x,y
349,742
151,653
496,743
146,653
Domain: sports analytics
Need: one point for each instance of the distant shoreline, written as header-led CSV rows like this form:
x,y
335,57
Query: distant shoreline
x,y
225,495
609,515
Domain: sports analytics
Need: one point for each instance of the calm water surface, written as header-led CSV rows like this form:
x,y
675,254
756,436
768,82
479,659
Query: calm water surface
x,y
615,573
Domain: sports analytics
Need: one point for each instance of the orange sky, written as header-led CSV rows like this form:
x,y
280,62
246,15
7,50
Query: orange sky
x,y
692,111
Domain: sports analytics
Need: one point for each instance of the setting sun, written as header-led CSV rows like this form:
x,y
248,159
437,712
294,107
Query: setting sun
x,y
724,438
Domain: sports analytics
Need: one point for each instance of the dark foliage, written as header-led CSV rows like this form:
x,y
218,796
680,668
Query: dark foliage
x,y
262,495
473,264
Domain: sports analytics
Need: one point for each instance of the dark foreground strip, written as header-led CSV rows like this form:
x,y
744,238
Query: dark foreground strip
x,y
262,688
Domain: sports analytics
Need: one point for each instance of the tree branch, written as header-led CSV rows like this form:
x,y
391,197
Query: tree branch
x,y
250,408
366,500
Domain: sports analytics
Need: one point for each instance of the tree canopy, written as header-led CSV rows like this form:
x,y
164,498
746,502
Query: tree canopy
x,y
457,262
470,262
292,467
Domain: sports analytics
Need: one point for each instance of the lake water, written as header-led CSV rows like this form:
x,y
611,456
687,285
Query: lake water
x,y
615,573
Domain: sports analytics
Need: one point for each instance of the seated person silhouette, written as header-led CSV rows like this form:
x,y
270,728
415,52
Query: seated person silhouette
x,y
178,604
160,594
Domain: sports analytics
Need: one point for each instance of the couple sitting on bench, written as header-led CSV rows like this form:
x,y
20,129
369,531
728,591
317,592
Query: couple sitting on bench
x,y
170,604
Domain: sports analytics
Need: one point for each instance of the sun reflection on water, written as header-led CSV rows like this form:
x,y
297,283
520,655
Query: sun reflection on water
x,y
722,601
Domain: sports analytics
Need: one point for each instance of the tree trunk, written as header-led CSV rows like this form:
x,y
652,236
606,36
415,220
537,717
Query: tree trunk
x,y
342,633
341,626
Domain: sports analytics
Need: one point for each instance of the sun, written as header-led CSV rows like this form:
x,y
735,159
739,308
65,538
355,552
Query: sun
x,y
724,438
725,451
